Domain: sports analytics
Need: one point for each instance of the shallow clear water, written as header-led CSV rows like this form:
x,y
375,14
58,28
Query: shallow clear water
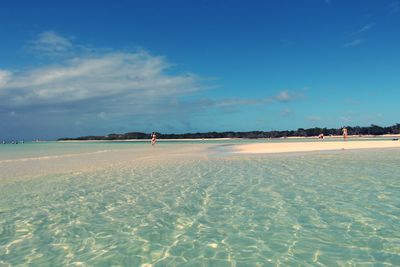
x,y
39,149
328,209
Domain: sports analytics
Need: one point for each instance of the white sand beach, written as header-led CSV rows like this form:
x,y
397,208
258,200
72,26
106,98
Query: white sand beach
x,y
260,148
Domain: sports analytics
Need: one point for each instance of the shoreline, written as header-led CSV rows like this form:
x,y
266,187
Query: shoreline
x,y
228,138
148,140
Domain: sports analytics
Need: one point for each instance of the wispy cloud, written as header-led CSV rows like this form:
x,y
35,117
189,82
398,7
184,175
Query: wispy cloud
x,y
4,77
230,102
131,82
366,27
357,36
282,96
51,43
355,42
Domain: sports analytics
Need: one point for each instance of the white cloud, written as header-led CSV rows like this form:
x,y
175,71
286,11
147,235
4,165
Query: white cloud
x,y
129,77
284,96
354,43
51,43
4,77
119,83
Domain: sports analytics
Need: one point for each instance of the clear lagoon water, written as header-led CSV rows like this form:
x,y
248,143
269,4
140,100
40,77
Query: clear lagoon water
x,y
195,204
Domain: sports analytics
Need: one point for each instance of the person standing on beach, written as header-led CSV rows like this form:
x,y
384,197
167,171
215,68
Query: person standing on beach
x,y
153,138
344,133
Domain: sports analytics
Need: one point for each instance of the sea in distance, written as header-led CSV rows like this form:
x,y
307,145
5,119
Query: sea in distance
x,y
196,204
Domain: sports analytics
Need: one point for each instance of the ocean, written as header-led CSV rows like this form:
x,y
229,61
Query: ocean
x,y
196,204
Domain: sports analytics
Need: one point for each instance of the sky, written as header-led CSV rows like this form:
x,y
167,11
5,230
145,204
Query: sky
x,y
75,68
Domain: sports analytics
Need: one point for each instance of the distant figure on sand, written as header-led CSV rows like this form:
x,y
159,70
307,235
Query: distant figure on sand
x,y
344,133
321,136
153,138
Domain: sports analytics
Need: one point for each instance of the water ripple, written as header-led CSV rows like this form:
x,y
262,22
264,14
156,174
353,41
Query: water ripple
x,y
317,209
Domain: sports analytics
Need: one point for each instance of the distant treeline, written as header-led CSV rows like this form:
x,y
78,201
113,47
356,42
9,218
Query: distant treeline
x,y
371,130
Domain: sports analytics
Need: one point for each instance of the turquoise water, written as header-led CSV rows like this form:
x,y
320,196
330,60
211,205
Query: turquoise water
x,y
171,207
40,149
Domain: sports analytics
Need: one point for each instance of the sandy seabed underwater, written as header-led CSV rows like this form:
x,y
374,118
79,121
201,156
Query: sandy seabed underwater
x,y
197,205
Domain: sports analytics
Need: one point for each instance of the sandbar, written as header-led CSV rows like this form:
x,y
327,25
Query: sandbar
x,y
261,148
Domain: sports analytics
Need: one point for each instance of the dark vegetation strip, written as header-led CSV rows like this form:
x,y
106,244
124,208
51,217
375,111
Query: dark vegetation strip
x,y
357,130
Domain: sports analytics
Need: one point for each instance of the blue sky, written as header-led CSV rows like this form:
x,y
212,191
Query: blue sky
x,y
73,68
